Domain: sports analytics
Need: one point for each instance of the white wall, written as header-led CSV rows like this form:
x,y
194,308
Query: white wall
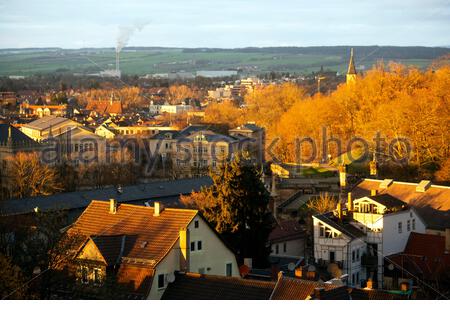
x,y
294,248
393,241
214,255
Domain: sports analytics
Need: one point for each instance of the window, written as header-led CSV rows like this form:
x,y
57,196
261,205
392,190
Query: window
x,y
322,230
353,256
332,256
408,225
277,249
199,245
214,163
414,224
196,224
84,275
400,227
357,254
353,278
161,281
229,269
192,246
357,277
96,275
284,247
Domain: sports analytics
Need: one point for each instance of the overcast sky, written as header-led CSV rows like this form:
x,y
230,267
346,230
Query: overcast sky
x,y
223,23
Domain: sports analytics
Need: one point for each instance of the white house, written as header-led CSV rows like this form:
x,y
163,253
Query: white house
x,y
359,238
145,245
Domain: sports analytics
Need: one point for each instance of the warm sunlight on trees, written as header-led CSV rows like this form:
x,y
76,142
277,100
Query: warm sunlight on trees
x,y
224,112
29,177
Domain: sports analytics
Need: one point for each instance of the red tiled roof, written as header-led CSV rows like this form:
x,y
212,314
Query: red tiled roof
x,y
424,256
194,286
136,279
105,106
296,289
153,236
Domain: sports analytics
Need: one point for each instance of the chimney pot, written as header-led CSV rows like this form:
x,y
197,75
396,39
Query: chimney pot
x,y
112,206
373,192
248,262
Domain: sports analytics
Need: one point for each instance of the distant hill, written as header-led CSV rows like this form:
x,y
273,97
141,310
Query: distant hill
x,y
251,60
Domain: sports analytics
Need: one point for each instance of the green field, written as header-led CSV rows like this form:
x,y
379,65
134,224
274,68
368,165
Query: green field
x,y
162,60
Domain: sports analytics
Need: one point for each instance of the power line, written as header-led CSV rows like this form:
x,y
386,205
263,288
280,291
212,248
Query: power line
x,y
394,263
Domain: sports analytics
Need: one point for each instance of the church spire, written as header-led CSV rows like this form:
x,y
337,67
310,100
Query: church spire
x,y
351,72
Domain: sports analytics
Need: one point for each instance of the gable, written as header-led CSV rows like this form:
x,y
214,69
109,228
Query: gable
x,y
90,252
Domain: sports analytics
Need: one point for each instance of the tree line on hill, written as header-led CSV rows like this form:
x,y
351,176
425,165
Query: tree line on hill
x,y
394,101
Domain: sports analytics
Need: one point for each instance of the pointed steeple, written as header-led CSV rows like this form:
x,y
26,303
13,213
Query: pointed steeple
x,y
351,72
351,64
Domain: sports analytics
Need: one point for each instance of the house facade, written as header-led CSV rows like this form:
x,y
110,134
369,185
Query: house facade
x,y
359,238
144,247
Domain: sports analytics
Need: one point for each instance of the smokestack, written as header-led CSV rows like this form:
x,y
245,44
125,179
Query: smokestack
x,y
117,61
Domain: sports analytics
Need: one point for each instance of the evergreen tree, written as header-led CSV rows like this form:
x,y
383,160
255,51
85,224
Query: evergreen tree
x,y
236,206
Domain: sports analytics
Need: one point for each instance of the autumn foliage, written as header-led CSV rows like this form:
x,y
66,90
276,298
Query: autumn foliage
x,y
393,100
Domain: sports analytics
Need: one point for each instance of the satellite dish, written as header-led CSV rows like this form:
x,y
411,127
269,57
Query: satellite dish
x,y
170,278
291,266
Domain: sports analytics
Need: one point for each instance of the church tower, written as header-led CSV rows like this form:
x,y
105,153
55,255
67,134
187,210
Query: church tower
x,y
351,72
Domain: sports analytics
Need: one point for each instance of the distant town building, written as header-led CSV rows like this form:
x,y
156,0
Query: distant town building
x,y
111,106
46,126
43,110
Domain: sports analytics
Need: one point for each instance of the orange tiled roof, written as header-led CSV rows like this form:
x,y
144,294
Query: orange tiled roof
x,y
105,106
296,289
151,237
136,279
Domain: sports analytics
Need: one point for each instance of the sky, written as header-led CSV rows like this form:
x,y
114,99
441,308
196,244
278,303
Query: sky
x,y
223,23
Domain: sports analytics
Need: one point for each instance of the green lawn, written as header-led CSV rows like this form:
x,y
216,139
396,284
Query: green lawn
x,y
165,60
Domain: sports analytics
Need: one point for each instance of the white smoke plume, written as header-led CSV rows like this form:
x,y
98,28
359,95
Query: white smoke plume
x,y
125,33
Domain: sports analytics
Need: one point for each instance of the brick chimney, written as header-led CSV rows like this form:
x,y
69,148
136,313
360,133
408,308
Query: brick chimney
x,y
349,202
112,206
158,208
343,176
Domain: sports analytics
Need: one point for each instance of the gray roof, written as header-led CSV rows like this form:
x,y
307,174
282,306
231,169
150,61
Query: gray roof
x,y
387,200
18,138
343,226
248,127
47,121
81,199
